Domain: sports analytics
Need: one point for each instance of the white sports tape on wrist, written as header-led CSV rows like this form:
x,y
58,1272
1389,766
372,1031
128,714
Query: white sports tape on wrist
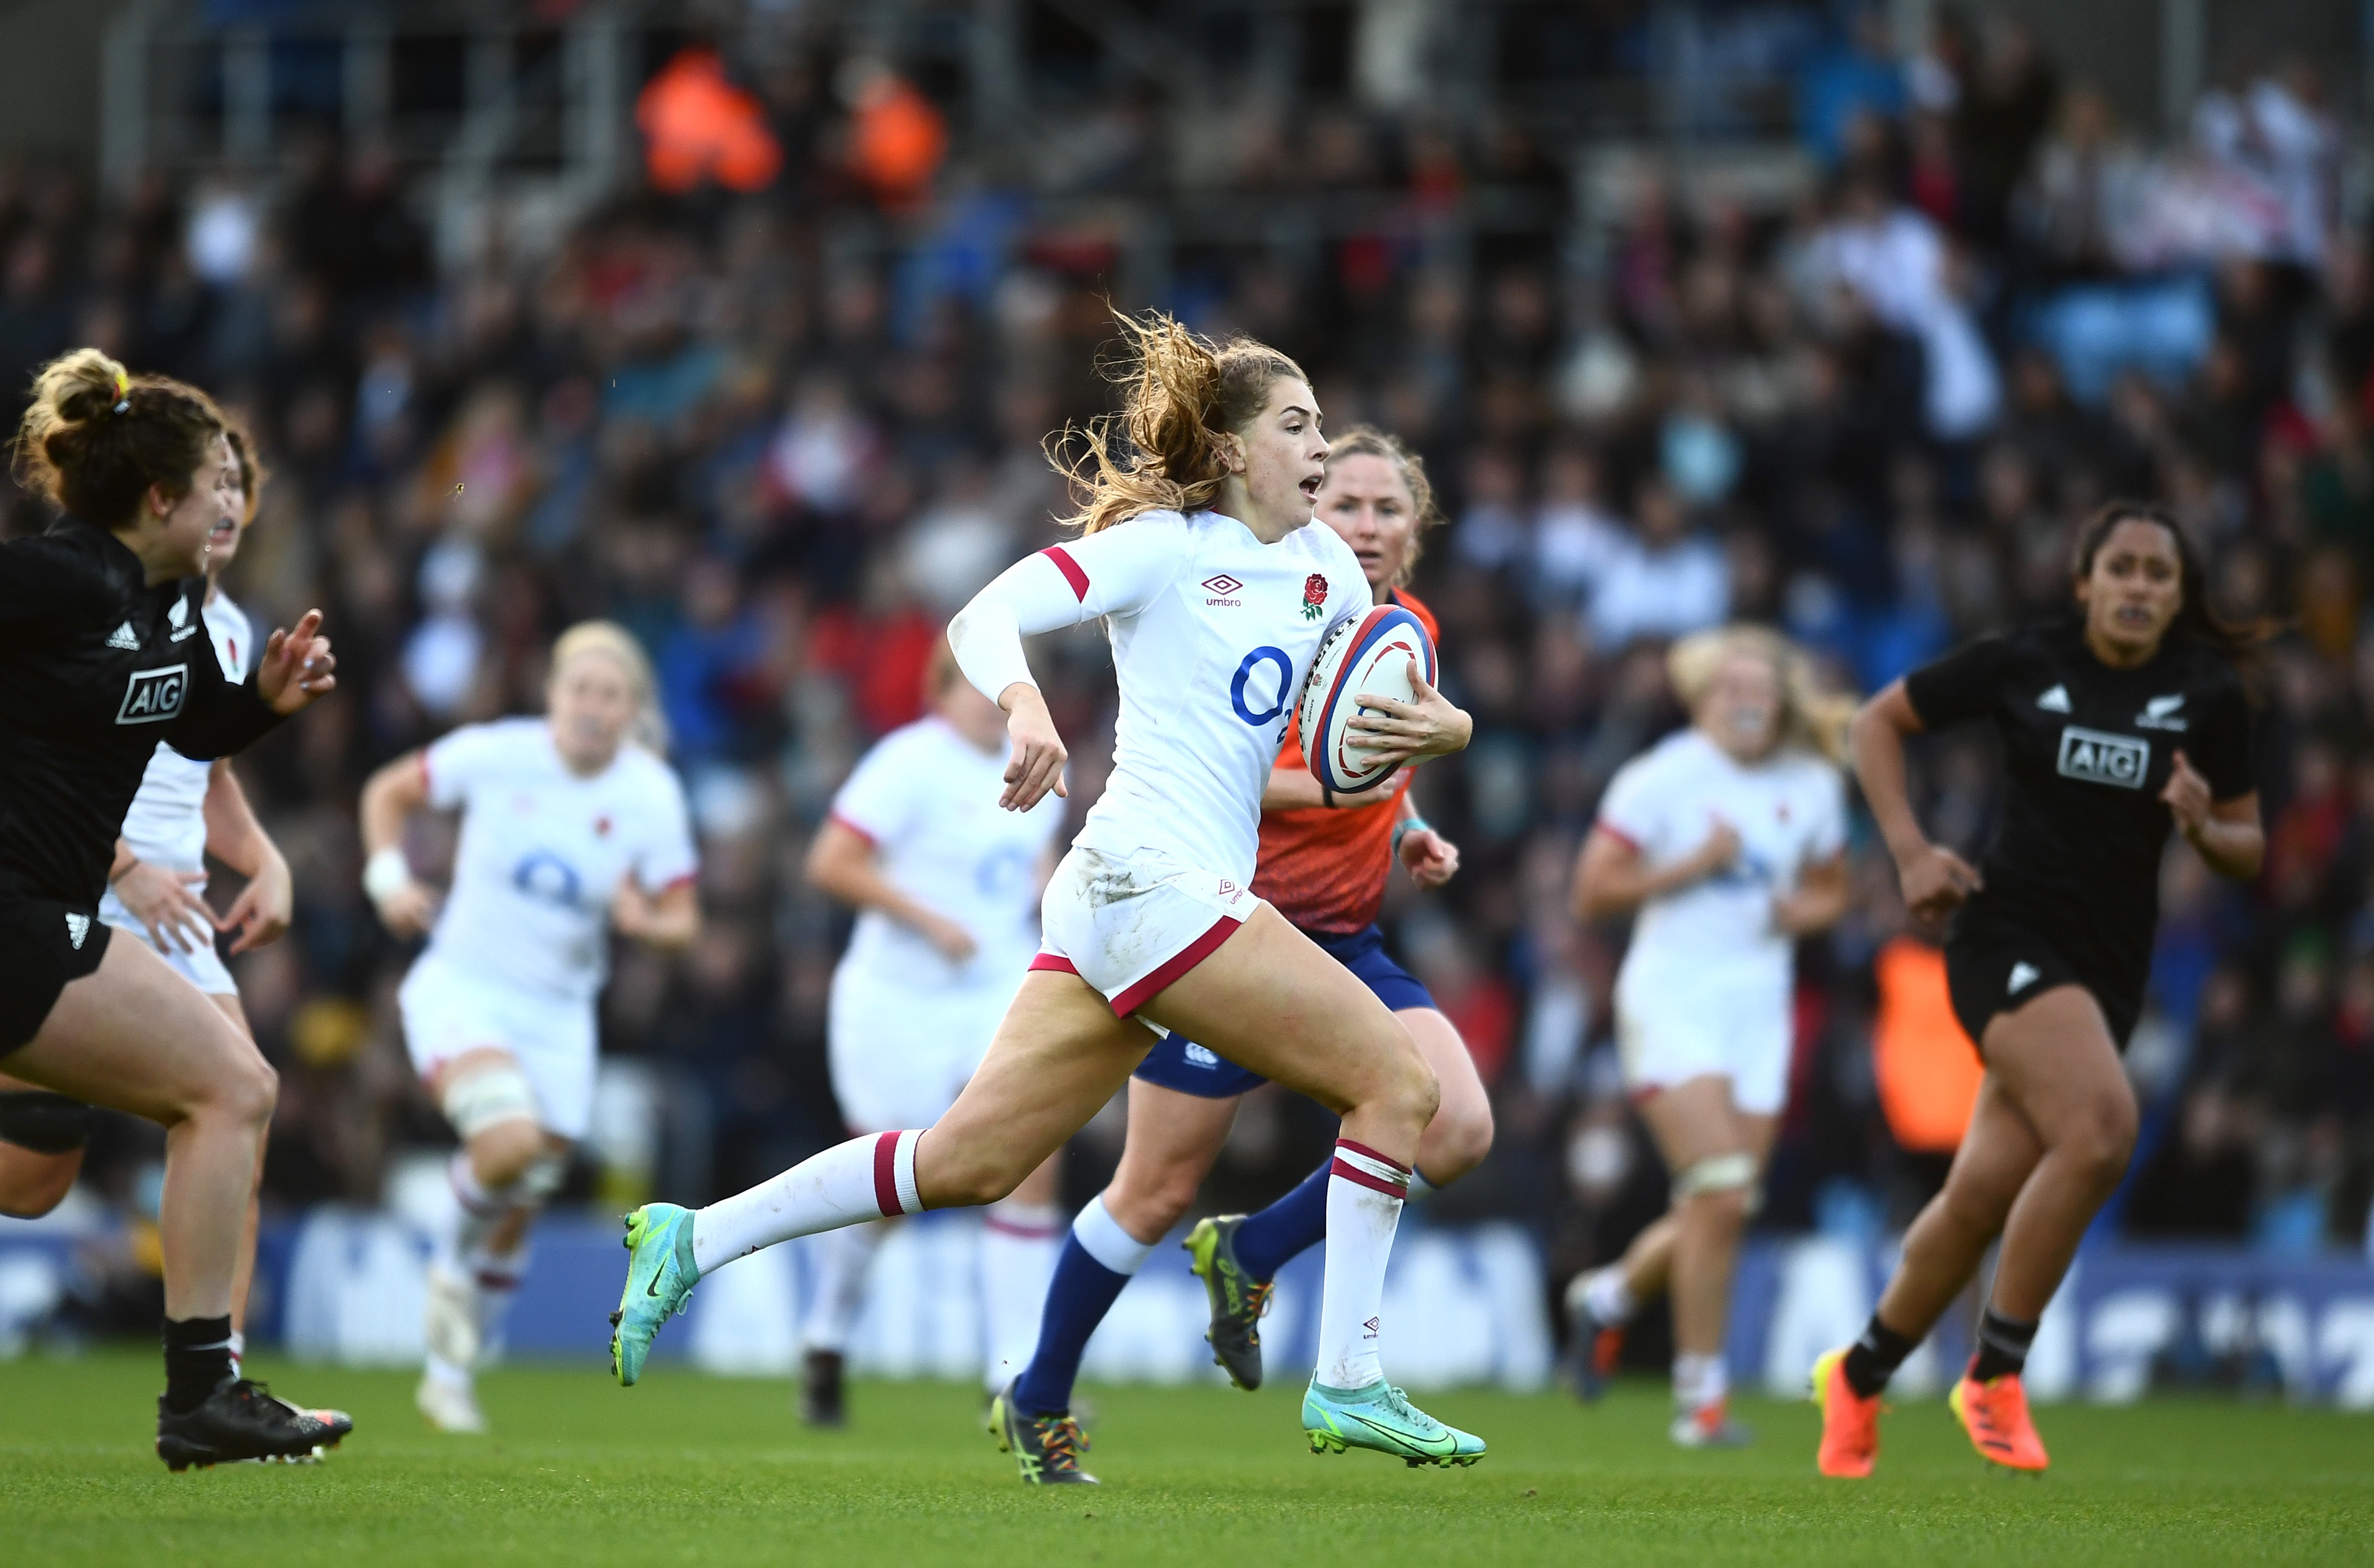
x,y
477,1102
1716,1173
386,874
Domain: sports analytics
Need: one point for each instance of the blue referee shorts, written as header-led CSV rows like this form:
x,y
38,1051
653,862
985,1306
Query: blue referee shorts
x,y
1176,1062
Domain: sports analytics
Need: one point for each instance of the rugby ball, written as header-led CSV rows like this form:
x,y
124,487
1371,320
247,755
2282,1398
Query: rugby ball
x,y
1366,655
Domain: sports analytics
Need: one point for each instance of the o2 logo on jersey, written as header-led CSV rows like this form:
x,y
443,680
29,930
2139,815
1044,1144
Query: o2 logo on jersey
x,y
546,878
1258,656
151,696
2099,757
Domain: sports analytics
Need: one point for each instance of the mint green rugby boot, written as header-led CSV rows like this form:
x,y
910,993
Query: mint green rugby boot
x,y
660,1276
1380,1417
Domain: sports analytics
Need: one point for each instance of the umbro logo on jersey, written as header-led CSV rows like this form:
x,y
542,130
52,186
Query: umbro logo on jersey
x,y
123,636
153,696
2023,975
2099,757
2161,713
77,928
1372,1325
2054,701
1223,590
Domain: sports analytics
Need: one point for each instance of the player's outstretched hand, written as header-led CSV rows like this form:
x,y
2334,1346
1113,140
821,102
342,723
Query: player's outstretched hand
x,y
1429,858
297,666
264,907
408,911
167,903
1935,882
1390,731
2186,796
1037,762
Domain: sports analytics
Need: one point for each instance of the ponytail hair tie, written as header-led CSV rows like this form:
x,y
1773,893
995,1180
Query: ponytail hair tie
x,y
122,393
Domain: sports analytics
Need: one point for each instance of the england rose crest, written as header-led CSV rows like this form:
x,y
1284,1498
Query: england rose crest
x,y
1314,596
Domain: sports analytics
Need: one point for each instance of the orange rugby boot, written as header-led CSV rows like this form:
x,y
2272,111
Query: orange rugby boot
x,y
1850,1422
1995,1415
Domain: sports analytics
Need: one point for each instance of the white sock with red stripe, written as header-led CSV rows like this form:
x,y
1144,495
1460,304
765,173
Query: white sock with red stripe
x,y
1365,1191
1018,1246
844,1257
865,1179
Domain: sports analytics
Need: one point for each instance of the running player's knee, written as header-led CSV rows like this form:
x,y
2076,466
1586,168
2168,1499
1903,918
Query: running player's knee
x,y
1456,1141
1717,1187
1412,1090
2103,1136
508,1151
246,1090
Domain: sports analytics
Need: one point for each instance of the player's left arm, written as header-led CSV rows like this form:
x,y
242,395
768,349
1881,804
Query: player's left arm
x,y
658,901
1429,858
2227,833
264,908
668,920
2211,792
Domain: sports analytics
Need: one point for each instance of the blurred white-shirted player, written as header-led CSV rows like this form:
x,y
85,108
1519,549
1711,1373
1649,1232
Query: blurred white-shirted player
x,y
1728,839
947,886
572,825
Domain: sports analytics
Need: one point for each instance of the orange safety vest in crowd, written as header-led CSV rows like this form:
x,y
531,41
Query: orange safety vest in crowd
x,y
1928,1070
698,125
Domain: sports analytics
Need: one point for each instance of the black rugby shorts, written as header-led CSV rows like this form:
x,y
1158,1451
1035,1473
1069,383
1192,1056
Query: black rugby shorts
x,y
44,946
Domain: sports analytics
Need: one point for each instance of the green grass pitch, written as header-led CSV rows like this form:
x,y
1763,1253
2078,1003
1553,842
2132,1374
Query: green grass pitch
x,y
689,1469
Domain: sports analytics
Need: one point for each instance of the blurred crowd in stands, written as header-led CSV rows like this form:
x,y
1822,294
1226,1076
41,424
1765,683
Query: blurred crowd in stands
x,y
779,406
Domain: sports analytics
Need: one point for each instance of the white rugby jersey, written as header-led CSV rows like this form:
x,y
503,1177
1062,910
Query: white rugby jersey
x,y
543,851
1212,634
1788,810
167,824
927,799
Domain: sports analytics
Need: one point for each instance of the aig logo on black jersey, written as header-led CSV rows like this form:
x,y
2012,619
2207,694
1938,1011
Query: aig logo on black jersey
x,y
2099,757
152,696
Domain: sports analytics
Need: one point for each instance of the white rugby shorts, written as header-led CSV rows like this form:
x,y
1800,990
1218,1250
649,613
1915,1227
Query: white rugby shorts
x,y
901,1053
1672,1036
448,1011
202,968
1131,926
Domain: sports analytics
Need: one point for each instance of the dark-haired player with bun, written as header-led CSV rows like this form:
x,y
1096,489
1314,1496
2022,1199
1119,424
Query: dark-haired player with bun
x,y
2117,723
102,654
184,812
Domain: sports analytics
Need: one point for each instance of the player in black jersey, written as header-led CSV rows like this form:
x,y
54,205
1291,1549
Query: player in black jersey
x,y
103,652
2116,723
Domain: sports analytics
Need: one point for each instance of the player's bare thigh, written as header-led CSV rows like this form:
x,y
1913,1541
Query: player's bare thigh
x,y
136,1037
500,1152
1695,1119
1058,1055
2056,1061
1173,1139
1271,1000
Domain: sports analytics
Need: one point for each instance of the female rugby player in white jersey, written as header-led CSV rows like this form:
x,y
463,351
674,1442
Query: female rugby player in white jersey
x,y
1728,839
947,887
572,825
1196,550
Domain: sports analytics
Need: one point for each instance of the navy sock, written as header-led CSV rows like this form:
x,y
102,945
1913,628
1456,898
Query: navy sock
x,y
1079,1295
1293,1223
